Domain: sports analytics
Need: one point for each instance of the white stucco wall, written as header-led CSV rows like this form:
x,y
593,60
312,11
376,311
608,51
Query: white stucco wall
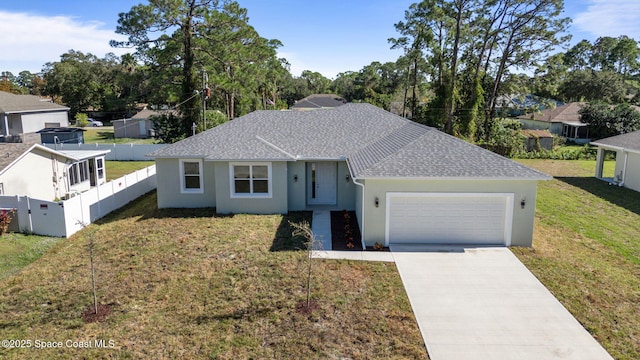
x,y
632,176
32,122
38,175
374,218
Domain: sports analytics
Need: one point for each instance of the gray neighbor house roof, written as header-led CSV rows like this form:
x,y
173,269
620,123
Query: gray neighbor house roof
x,y
16,104
628,141
375,143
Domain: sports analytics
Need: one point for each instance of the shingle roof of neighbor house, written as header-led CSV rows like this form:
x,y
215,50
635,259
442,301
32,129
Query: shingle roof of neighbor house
x,y
12,103
374,142
147,113
317,101
563,113
629,141
9,152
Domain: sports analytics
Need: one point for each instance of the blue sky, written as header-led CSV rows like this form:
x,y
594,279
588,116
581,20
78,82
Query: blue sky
x,y
329,36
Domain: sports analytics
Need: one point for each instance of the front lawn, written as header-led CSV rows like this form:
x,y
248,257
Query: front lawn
x,y
586,251
192,284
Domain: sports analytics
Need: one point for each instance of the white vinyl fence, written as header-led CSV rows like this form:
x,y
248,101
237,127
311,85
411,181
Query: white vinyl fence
x,y
67,217
119,152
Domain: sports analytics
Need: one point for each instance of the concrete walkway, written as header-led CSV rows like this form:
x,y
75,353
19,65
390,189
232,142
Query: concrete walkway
x,y
321,227
483,303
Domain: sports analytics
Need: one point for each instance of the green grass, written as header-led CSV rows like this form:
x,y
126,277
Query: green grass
x,y
586,251
19,250
191,284
105,135
116,169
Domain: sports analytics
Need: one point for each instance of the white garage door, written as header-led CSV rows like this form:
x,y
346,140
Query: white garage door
x,y
449,218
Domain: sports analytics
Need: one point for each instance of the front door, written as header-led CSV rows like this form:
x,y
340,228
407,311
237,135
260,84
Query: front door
x,y
321,183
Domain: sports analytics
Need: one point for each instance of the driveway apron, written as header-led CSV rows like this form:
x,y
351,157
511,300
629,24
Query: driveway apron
x,y
483,303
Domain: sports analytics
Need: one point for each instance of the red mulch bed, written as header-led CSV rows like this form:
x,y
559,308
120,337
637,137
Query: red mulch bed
x,y
338,231
302,308
89,314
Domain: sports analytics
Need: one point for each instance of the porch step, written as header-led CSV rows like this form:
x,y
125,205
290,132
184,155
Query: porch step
x,y
321,227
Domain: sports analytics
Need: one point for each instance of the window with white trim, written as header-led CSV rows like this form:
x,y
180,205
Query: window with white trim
x,y
100,167
250,179
191,176
78,172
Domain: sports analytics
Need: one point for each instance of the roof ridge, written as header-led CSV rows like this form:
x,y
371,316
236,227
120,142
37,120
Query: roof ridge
x,y
385,146
275,146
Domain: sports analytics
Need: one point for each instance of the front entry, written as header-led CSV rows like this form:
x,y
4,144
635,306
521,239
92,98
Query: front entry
x,y
321,183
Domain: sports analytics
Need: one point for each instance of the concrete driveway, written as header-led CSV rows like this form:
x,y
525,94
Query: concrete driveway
x,y
483,303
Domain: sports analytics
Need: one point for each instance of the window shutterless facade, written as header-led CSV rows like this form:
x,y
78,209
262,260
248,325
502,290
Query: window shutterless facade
x,y
191,180
250,179
78,172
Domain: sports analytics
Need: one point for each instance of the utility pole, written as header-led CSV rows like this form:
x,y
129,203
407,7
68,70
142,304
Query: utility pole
x,y
205,96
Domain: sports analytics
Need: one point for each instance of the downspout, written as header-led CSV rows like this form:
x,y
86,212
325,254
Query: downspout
x,y
363,197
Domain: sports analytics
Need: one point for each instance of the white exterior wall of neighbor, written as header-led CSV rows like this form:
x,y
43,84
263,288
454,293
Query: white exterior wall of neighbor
x,y
627,170
32,122
374,218
632,179
169,187
38,174
628,165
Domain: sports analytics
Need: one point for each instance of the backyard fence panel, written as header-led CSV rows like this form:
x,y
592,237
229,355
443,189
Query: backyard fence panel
x,y
74,215
47,217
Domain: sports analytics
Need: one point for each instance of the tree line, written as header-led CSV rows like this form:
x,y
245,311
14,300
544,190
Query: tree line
x,y
459,58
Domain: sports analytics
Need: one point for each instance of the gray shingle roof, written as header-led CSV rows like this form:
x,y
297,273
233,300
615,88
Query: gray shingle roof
x,y
11,103
375,143
9,152
630,141
317,101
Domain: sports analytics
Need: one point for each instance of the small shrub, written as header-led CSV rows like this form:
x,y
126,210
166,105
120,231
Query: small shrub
x,y
5,219
82,120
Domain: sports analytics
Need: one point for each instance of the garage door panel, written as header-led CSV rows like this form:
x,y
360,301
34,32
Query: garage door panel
x,y
447,218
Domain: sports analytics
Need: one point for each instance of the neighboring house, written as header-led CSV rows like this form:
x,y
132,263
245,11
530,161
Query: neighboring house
x,y
563,120
47,174
407,183
319,101
536,140
24,114
139,126
627,149
519,104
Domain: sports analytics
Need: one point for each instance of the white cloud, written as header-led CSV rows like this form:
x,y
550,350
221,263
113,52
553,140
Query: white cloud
x,y
610,18
29,41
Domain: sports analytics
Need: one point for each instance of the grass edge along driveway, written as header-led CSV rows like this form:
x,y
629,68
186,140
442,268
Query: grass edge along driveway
x,y
586,251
